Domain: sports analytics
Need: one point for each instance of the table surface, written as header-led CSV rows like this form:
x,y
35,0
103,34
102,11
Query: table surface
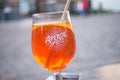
x,y
107,72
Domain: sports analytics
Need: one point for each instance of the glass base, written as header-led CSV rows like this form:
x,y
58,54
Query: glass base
x,y
67,76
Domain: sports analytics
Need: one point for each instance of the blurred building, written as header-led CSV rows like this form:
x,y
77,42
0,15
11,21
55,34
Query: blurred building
x,y
14,9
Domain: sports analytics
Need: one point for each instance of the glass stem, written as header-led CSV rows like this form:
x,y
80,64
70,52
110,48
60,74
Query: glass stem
x,y
57,76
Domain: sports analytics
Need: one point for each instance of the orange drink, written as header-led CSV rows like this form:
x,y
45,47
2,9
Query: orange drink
x,y
53,44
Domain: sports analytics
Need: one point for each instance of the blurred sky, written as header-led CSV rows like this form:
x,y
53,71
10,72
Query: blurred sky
x,y
107,4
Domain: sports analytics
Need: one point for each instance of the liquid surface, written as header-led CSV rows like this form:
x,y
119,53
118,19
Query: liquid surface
x,y
53,45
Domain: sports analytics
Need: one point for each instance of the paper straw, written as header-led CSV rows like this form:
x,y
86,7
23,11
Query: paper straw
x,y
65,9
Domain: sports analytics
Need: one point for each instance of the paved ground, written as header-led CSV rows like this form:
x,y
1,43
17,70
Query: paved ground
x,y
98,46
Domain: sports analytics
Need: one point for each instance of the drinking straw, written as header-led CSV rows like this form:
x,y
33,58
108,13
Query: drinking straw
x,y
65,9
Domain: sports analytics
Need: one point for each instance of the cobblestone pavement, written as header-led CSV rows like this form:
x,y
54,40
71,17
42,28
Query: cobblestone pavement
x,y
98,45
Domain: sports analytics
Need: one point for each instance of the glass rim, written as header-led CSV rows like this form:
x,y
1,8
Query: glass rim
x,y
48,13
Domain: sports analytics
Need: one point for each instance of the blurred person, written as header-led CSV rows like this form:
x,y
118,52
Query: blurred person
x,y
7,12
40,6
90,8
100,7
79,6
51,5
32,8
85,7
1,5
1,9
74,7
24,7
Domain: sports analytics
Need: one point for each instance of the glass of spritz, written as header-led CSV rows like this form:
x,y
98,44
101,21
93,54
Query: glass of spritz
x,y
53,41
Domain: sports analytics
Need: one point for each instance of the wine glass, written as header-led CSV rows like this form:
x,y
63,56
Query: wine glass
x,y
53,41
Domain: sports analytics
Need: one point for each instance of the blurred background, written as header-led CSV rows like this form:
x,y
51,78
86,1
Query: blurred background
x,y
14,9
97,28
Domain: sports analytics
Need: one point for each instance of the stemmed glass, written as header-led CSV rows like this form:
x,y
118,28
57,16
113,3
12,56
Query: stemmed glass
x,y
53,41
